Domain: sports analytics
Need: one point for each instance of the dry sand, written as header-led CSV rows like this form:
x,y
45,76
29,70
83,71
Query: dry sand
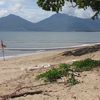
x,y
14,74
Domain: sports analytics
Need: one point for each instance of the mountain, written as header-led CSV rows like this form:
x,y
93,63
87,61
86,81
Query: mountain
x,y
56,23
15,23
63,22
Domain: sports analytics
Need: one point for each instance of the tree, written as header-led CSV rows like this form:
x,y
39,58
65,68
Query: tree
x,y
56,5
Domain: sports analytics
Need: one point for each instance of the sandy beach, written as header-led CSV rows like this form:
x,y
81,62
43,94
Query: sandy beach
x,y
18,72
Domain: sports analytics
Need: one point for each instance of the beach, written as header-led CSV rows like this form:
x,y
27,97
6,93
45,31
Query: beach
x,y
17,72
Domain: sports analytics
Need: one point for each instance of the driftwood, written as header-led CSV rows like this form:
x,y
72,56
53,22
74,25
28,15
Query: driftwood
x,y
6,97
17,92
82,50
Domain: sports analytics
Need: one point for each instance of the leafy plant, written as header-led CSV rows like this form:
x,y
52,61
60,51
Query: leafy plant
x,y
72,81
51,75
85,65
64,69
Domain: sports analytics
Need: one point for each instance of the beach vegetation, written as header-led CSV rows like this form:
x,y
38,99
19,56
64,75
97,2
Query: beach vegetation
x,y
85,65
68,71
64,69
51,75
72,80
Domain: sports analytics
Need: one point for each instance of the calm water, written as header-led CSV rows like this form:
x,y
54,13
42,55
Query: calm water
x,y
45,40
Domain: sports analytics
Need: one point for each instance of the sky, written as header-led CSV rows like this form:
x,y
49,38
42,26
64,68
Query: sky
x,y
29,10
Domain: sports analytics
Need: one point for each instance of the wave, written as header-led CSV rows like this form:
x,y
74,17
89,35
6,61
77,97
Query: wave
x,y
47,49
40,50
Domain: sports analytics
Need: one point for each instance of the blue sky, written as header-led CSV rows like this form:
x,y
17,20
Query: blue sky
x,y
29,10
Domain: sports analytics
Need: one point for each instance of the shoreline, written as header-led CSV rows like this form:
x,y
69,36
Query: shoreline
x,y
42,50
53,48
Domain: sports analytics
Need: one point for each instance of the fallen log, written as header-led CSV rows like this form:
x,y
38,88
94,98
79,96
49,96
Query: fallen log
x,y
17,92
82,50
6,97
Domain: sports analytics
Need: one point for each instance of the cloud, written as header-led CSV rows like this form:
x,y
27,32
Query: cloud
x,y
17,7
84,13
74,11
26,9
2,2
29,10
3,12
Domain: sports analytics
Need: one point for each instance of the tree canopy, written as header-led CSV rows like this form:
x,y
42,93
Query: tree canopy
x,y
56,5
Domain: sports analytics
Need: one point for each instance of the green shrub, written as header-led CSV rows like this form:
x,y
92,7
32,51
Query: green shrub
x,y
68,71
51,75
72,81
64,69
85,65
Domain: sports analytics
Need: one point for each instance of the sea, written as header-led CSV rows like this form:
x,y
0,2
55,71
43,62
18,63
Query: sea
x,y
24,43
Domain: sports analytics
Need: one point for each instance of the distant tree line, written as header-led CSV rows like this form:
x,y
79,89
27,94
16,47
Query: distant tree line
x,y
56,5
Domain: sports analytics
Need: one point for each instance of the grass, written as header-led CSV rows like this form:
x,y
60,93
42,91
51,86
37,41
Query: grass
x,y
51,75
85,65
65,70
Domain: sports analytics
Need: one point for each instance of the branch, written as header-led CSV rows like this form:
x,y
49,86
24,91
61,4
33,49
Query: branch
x,y
6,97
16,93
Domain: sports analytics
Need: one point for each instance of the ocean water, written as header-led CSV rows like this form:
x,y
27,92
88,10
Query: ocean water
x,y
30,42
